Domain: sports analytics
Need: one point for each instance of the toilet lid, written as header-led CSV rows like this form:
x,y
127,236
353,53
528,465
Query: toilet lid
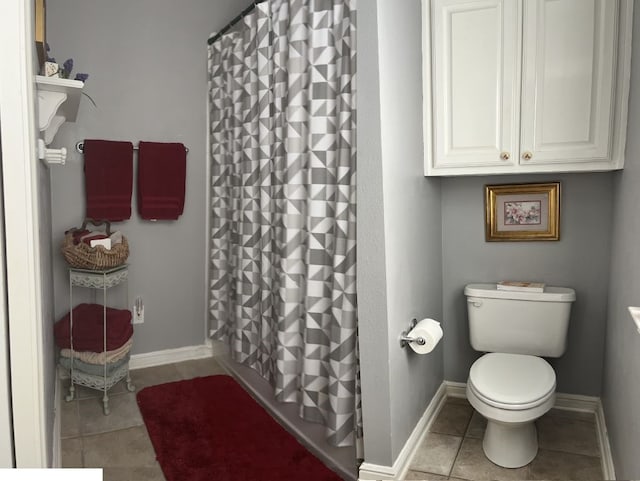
x,y
512,379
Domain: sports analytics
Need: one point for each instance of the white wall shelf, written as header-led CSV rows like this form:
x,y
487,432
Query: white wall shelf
x,y
58,102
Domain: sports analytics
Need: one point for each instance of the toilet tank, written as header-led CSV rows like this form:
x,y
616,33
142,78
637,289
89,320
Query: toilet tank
x,y
533,323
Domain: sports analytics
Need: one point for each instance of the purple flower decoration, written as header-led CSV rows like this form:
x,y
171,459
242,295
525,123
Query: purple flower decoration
x,y
68,67
82,77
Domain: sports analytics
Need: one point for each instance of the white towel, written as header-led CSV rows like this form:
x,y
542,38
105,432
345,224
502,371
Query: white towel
x,y
100,357
116,238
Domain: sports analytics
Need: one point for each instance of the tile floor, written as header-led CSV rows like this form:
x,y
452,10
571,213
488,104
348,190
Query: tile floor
x,y
452,450
119,443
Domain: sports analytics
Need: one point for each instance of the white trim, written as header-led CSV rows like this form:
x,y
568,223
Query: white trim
x,y
623,82
169,356
427,108
369,471
19,161
56,456
606,457
576,402
218,348
207,220
451,389
456,389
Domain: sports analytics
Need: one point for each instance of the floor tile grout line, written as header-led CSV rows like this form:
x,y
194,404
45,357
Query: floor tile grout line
x,y
456,456
82,450
559,451
89,435
463,437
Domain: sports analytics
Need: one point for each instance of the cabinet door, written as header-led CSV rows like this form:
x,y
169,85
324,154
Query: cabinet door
x,y
568,80
476,77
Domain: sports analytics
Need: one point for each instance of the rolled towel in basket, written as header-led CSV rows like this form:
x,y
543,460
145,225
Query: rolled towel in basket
x,y
100,357
93,369
88,328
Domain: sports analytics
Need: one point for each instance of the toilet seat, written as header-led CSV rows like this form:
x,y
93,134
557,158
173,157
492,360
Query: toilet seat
x,y
512,381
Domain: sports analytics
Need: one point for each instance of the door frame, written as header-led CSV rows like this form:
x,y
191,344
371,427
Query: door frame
x,y
19,168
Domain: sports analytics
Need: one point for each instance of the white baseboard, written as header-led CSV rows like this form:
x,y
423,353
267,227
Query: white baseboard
x,y
575,402
398,471
456,389
606,456
589,404
569,402
169,356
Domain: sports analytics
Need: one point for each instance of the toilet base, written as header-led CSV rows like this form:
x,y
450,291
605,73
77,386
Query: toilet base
x,y
510,445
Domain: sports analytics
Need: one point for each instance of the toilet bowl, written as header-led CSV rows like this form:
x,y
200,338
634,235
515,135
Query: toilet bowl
x,y
511,391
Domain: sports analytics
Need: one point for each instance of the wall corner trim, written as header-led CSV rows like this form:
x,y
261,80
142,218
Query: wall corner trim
x,y
370,471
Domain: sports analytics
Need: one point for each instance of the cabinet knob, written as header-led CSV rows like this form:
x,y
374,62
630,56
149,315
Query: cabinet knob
x,y
527,155
505,155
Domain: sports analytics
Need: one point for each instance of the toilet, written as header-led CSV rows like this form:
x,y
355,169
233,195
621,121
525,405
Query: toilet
x,y
512,385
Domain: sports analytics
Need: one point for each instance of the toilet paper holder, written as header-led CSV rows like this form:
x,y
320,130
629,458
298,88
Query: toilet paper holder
x,y
405,339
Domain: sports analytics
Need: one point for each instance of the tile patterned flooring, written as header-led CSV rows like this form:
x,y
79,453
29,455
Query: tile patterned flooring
x,y
119,443
452,450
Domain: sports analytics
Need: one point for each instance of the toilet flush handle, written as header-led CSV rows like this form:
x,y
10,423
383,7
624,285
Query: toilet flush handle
x,y
474,302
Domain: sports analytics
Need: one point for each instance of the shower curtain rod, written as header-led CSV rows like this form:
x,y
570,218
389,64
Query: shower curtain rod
x,y
234,21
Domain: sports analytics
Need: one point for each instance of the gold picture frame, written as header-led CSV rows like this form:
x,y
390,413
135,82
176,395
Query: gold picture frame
x,y
40,31
522,212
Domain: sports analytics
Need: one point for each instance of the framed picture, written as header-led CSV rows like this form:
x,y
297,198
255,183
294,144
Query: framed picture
x,y
522,212
39,31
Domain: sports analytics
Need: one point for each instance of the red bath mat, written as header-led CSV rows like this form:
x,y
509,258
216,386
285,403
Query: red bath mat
x,y
209,428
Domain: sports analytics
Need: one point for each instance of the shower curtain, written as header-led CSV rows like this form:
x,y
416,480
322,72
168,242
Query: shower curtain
x,y
283,204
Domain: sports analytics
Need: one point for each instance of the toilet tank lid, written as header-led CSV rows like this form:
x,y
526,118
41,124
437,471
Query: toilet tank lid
x,y
550,294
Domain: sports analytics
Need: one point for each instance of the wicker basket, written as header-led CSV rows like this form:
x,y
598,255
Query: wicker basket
x,y
83,256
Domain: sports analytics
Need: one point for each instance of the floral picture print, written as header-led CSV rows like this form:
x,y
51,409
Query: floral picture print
x,y
522,212
525,212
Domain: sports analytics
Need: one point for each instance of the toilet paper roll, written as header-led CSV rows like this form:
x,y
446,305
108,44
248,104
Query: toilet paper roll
x,y
430,331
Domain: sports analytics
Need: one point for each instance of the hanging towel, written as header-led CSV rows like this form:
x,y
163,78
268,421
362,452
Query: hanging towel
x,y
108,173
162,169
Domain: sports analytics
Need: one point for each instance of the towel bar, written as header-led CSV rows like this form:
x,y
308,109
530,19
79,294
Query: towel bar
x,y
80,147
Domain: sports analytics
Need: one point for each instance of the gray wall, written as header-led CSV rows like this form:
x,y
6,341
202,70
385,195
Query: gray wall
x,y
399,233
371,273
147,65
580,260
621,389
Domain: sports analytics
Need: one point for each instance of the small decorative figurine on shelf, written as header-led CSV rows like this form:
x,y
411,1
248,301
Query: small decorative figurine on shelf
x,y
53,69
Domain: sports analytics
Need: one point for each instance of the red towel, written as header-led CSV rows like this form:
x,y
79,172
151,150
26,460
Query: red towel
x,y
162,170
88,329
108,173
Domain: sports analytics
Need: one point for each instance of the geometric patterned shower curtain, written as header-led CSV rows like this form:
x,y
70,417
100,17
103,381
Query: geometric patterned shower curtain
x,y
283,204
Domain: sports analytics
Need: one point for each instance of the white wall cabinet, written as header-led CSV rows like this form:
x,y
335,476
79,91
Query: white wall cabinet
x,y
522,86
